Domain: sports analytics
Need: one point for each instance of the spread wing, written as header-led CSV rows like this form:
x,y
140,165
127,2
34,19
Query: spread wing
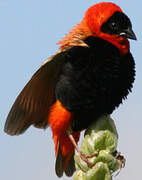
x,y
33,103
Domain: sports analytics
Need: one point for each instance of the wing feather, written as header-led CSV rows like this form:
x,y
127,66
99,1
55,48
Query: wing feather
x,y
33,103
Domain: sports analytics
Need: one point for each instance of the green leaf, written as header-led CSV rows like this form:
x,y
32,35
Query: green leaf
x,y
101,137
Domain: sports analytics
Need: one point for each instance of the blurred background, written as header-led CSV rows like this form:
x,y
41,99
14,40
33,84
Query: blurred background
x,y
29,31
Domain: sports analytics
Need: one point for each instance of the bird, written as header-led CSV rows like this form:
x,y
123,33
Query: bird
x,y
91,74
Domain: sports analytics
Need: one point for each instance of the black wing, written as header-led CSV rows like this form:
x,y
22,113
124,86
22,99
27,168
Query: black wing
x,y
33,103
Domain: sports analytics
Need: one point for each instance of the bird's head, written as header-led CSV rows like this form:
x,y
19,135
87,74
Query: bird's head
x,y
103,20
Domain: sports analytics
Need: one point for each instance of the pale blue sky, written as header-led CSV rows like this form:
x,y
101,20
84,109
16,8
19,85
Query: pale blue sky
x,y
29,31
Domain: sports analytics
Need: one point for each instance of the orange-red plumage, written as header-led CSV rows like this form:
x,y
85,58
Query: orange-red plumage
x,y
91,24
99,13
90,75
59,120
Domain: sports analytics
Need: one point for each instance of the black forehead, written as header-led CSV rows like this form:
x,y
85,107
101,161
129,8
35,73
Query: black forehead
x,y
121,19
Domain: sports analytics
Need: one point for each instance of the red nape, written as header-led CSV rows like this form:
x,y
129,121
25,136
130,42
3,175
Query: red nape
x,y
59,120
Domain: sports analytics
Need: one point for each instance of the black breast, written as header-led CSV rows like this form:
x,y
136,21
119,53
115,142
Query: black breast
x,y
94,81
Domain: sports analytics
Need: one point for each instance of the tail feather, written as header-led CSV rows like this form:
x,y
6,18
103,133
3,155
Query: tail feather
x,y
59,163
64,164
71,167
59,120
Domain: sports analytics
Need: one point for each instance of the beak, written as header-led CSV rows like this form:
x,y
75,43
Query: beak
x,y
128,33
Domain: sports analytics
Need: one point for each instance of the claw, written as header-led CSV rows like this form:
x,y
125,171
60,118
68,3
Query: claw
x,y
122,160
92,155
82,156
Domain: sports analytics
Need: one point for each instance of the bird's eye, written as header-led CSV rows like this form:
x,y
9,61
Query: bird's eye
x,y
114,26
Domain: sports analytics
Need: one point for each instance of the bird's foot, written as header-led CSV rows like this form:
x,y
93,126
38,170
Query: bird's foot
x,y
82,156
92,155
85,158
122,160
